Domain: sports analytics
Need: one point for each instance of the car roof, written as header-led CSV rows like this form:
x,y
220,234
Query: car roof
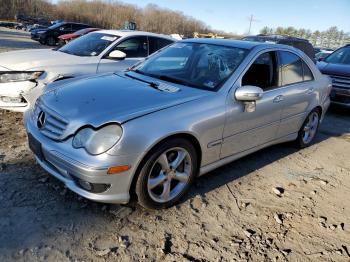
x,y
123,33
231,43
277,37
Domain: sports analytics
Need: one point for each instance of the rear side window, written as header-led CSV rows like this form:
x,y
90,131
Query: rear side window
x,y
291,68
308,76
156,43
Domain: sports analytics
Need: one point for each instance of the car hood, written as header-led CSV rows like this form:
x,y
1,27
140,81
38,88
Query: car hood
x,y
34,58
107,98
334,69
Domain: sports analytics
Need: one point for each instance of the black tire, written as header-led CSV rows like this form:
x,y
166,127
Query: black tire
x,y
141,189
42,41
300,141
51,41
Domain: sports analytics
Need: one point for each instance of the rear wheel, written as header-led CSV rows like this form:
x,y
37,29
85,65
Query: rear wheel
x,y
166,174
309,129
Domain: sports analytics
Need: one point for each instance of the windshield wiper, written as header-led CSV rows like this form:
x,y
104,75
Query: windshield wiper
x,y
174,80
151,83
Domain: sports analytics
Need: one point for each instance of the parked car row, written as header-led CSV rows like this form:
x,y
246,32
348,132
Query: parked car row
x,y
115,114
50,35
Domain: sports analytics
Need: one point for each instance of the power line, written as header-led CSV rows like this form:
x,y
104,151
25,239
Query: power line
x,y
251,20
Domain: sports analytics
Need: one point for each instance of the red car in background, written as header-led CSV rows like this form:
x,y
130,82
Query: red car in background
x,y
64,39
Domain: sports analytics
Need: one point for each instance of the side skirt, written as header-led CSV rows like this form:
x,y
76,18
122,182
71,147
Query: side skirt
x,y
226,160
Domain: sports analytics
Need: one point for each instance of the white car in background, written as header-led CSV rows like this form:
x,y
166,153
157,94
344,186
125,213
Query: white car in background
x,y
24,74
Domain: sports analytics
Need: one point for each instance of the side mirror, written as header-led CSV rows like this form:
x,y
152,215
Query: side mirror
x,y
249,93
117,55
320,59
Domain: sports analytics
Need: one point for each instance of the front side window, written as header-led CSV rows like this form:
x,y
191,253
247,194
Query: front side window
x,y
291,68
198,65
340,56
263,72
89,45
134,47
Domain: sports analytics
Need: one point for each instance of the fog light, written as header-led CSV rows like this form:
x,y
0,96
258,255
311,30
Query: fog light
x,y
85,185
92,187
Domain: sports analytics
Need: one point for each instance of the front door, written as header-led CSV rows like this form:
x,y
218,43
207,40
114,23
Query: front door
x,y
246,130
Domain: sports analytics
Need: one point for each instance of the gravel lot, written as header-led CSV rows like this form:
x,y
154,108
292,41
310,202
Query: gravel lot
x,y
278,204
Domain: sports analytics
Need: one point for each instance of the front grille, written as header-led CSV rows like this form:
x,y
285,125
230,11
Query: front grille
x,y
53,125
340,81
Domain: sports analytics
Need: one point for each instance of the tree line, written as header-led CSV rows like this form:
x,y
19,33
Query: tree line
x,y
107,14
331,38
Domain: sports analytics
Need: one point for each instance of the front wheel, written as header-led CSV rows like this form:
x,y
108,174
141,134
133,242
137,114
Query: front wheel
x,y
166,174
309,129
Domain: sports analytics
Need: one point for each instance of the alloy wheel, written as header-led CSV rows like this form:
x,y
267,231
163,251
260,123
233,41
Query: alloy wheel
x,y
169,175
310,127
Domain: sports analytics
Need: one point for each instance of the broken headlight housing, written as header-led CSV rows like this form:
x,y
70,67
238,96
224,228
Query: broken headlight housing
x,y
18,76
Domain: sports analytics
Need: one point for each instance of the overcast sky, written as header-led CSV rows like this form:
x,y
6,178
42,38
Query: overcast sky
x,y
232,15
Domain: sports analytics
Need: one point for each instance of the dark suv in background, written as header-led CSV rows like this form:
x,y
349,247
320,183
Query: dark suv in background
x,y
300,43
337,66
50,35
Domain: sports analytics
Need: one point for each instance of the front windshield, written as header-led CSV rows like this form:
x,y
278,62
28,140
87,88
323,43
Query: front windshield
x,y
204,66
340,56
89,45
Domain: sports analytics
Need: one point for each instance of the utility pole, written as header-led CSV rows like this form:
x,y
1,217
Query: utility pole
x,y
251,20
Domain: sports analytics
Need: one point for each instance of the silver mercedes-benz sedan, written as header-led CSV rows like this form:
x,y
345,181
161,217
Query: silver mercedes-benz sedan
x,y
186,110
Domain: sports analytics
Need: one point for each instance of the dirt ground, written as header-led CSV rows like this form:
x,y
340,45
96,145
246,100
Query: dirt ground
x,y
279,204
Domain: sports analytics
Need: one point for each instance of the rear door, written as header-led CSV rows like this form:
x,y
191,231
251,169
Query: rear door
x,y
297,81
135,48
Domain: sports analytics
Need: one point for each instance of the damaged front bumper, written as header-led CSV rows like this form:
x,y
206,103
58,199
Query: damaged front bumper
x,y
18,96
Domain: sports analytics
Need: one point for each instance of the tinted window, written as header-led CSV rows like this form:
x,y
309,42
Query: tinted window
x,y
262,72
76,27
156,43
134,47
291,68
308,76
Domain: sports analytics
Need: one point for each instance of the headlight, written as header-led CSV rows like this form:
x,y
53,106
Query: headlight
x,y
16,76
98,141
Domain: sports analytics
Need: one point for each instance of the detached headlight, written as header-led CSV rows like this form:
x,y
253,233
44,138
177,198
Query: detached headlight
x,y
97,141
16,76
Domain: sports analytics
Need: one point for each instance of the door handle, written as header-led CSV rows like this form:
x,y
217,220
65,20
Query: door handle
x,y
310,90
278,99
